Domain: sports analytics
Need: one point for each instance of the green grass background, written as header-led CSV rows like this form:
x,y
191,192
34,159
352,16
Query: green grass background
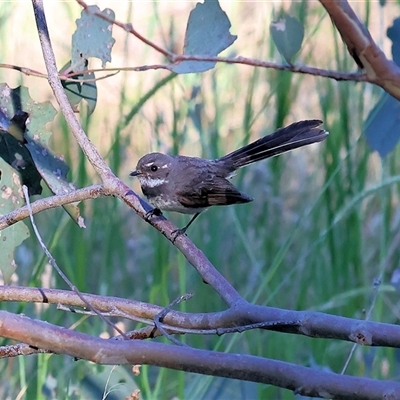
x,y
321,229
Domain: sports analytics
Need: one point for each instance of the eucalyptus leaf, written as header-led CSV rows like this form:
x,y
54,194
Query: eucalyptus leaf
x,y
287,33
207,34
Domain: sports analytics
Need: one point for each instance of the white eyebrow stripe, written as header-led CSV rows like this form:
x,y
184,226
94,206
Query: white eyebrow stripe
x,y
148,164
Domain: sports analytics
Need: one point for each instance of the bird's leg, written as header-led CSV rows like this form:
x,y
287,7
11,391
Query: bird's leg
x,y
154,212
182,231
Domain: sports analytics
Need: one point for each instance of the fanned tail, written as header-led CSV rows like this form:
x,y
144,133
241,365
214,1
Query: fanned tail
x,y
285,139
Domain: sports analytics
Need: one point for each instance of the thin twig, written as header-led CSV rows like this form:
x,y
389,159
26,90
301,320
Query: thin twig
x,y
259,325
20,349
376,285
127,27
24,70
175,58
158,319
58,269
69,77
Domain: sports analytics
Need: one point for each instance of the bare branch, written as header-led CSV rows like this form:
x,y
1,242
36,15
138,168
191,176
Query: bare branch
x,y
20,349
90,192
302,380
24,70
242,316
159,318
362,48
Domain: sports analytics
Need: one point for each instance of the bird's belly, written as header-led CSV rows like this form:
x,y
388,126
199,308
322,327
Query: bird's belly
x,y
162,203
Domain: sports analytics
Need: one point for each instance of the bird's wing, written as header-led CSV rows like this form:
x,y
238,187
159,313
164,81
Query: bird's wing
x,y
211,191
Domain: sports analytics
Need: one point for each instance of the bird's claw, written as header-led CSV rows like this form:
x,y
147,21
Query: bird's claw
x,y
178,232
154,212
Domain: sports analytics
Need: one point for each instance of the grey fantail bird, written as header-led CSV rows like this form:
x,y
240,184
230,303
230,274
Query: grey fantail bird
x,y
189,185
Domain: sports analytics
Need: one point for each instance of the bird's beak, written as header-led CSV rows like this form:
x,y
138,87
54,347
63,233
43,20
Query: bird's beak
x,y
135,173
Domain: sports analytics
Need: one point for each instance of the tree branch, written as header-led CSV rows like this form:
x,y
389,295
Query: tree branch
x,y
362,48
307,323
90,192
302,380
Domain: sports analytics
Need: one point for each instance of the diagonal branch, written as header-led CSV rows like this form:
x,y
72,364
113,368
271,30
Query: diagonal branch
x,y
53,77
362,48
114,186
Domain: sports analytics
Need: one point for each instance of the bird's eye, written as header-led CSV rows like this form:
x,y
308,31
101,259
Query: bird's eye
x,y
154,168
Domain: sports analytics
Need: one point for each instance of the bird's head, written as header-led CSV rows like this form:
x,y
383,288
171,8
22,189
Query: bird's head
x,y
153,169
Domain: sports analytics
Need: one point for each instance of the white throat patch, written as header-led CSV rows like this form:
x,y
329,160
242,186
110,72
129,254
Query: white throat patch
x,y
151,182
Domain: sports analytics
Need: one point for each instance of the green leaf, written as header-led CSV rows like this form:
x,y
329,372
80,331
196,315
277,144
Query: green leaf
x,y
11,198
382,127
30,156
393,33
287,33
16,106
14,153
85,89
207,34
92,38
5,122
14,126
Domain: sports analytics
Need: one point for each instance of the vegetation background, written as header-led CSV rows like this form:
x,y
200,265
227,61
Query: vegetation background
x,y
320,233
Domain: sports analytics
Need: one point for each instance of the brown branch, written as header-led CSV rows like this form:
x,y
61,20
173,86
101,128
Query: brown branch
x,y
19,349
252,62
307,323
379,70
90,192
24,70
176,58
301,380
128,28
362,48
301,69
